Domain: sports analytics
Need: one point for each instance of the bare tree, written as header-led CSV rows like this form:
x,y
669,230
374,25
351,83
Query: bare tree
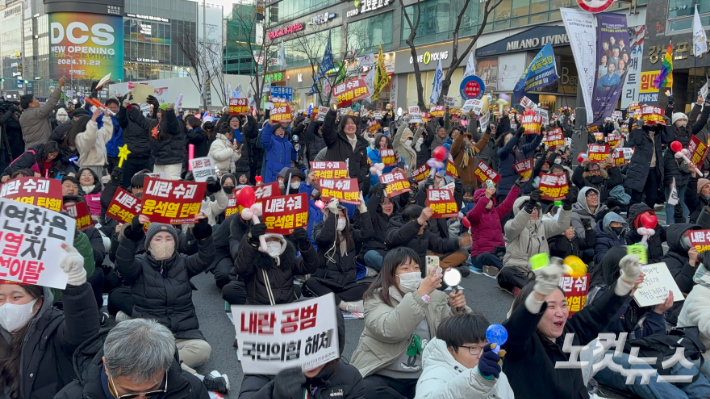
x,y
413,27
206,61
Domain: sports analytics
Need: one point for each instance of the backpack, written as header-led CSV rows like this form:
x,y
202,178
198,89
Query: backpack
x,y
663,347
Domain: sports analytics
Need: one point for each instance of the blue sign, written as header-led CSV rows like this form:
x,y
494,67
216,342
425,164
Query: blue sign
x,y
541,72
472,87
281,95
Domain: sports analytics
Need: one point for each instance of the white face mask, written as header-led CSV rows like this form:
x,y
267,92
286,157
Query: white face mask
x,y
281,184
163,250
442,184
341,224
14,317
273,248
409,282
420,140
61,118
409,143
295,185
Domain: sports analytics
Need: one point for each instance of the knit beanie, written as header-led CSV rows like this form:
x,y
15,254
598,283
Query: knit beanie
x,y
678,116
702,183
156,228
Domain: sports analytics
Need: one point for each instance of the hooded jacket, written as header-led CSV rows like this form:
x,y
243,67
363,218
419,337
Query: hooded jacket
x,y
655,242
135,131
279,153
465,157
399,143
445,378
693,199
91,143
423,151
343,270
486,230
314,140
36,126
677,256
340,149
607,180
225,158
606,238
580,210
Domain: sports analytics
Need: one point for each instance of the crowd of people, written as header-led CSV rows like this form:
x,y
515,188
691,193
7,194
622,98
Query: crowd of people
x,y
419,340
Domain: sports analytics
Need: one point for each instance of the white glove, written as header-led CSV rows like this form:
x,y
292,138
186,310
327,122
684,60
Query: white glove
x,y
73,265
547,279
363,206
333,206
127,100
630,269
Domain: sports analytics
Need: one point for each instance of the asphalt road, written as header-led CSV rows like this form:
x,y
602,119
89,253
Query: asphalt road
x,y
481,295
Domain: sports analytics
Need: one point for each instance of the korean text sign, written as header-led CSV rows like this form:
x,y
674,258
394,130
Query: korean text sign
x,y
531,123
238,106
350,91
329,170
698,151
80,213
31,239
451,168
554,138
652,115
554,187
232,207
656,284
281,114
524,168
700,239
388,157
614,139
484,172
203,168
438,111
345,190
260,194
442,202
300,334
621,156
576,290
172,201
420,174
281,95
45,193
285,213
123,207
396,182
598,153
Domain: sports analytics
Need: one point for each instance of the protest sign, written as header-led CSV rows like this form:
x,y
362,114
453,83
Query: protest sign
x,y
203,168
45,193
31,240
449,101
531,123
621,156
553,187
321,113
329,170
652,115
526,102
421,173
474,105
232,207
374,128
698,151
377,115
554,138
123,206
524,168
655,287
614,139
285,213
281,95
576,290
396,182
542,113
345,190
172,201
388,157
415,116
616,115
80,212
597,153
351,91
157,175
700,239
301,334
634,106
484,172
238,106
442,202
281,114
438,111
451,168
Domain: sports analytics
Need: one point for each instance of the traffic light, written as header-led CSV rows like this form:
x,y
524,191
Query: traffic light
x,y
25,81
2,80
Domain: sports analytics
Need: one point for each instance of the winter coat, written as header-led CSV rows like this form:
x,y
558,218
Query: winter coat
x,y
198,137
696,312
674,168
59,134
340,149
526,237
644,148
212,208
423,151
52,337
35,123
33,159
683,134
693,199
93,199
606,238
374,155
91,143
136,131
279,153
655,242
677,256
12,141
116,140
379,222
561,246
531,357
389,329
465,159
509,155
225,158
610,178
407,234
399,143
486,230
314,140
343,271
162,289
89,368
580,211
267,283
172,150
445,378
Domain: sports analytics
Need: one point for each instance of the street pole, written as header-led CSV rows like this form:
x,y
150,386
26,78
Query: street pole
x,y
204,49
579,135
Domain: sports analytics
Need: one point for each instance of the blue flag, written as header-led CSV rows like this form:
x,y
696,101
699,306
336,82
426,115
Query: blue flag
x,y
542,71
327,63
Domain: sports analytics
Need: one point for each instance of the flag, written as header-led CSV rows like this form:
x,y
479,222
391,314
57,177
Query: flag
x,y
542,71
381,78
326,63
282,55
437,84
470,66
700,40
665,78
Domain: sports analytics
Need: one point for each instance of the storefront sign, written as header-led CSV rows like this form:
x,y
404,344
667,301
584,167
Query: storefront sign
x,y
648,92
530,39
323,18
297,27
367,6
428,57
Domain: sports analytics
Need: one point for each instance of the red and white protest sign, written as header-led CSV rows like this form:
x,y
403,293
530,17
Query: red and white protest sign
x,y
442,202
451,168
321,113
554,138
345,190
614,139
285,213
123,206
484,172
621,156
80,212
299,334
421,173
374,128
576,290
261,192
388,157
652,115
238,106
598,153
438,111
700,239
45,193
31,241
526,102
281,114
351,91
634,106
531,123
524,168
554,187
232,207
698,151
396,182
172,201
329,170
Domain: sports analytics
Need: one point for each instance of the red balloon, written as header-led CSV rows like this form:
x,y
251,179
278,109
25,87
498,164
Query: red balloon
x,y
246,197
466,223
676,146
258,179
439,153
648,220
581,157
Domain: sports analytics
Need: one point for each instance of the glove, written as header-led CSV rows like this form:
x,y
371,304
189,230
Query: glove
x,y
127,100
548,278
490,362
134,231
117,174
288,382
520,182
213,185
300,238
333,206
630,269
670,100
568,201
153,100
202,230
519,132
587,224
73,265
257,231
601,215
93,93
535,196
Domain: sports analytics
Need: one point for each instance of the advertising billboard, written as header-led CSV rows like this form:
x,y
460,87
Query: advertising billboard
x,y
85,46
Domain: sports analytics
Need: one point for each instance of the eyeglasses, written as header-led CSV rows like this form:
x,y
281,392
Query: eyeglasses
x,y
473,350
138,395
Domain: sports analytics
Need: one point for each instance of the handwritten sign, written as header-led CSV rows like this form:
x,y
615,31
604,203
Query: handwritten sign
x,y
442,202
531,123
80,212
576,290
345,190
420,174
484,172
203,168
554,187
281,114
388,157
329,170
524,168
45,193
238,106
396,182
285,213
172,201
123,206
655,287
598,153
698,151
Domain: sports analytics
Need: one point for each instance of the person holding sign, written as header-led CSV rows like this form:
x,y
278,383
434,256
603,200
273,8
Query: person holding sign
x,y
602,179
198,137
402,312
279,150
465,150
136,137
344,142
38,339
227,148
645,171
382,144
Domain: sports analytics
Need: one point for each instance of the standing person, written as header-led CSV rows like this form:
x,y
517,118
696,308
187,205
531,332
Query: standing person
x,y
344,143
226,152
645,171
509,153
12,139
279,150
464,151
91,143
136,137
116,140
197,137
35,123
167,143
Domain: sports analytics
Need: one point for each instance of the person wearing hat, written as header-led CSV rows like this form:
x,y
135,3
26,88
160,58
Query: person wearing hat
x,y
697,196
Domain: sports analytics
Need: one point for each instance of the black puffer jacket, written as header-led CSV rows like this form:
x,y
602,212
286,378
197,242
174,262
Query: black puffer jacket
x,y
161,289
340,149
32,159
343,271
677,256
694,200
198,138
655,242
637,171
607,180
172,149
10,122
136,131
674,168
379,222
407,234
314,140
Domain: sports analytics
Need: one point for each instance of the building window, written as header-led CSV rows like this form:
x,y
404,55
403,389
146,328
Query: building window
x,y
366,35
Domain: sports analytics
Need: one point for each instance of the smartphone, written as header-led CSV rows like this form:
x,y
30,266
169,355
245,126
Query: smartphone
x,y
432,265
490,184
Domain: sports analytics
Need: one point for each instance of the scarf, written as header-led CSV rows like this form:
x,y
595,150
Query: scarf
x,y
469,153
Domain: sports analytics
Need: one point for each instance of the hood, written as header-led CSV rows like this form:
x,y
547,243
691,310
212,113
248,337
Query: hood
x,y
284,173
635,211
437,354
480,193
613,217
581,203
295,172
406,135
47,304
284,245
675,232
518,204
608,270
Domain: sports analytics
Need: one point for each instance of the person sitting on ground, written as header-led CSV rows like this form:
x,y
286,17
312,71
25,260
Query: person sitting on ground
x,y
568,243
654,242
610,232
381,209
44,160
696,311
587,207
91,187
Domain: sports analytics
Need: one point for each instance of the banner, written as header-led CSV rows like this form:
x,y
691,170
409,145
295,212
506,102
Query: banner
x,y
484,172
80,212
582,39
524,168
45,193
300,334
31,240
388,157
612,68
614,139
451,168
86,46
597,153
260,194
351,91
531,123
281,114
172,201
345,190
442,202
281,95
630,92
285,213
396,182
123,206
329,170
576,290
554,137
203,168
554,187
421,173
238,106
438,111
437,84
542,71
698,151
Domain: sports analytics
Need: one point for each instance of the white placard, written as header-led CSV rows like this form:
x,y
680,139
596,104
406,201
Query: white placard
x,y
203,168
544,114
321,113
485,120
474,105
582,33
449,101
300,334
655,286
414,115
526,102
704,89
31,240
377,115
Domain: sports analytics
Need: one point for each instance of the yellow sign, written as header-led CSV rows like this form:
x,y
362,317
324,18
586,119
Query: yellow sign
x,y
427,58
647,85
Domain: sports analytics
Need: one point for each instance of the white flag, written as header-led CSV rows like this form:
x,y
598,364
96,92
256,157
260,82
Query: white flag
x,y
437,84
470,66
282,55
700,40
580,26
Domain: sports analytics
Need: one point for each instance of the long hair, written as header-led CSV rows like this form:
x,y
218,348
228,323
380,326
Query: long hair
x,y
79,126
386,278
345,234
379,137
50,147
